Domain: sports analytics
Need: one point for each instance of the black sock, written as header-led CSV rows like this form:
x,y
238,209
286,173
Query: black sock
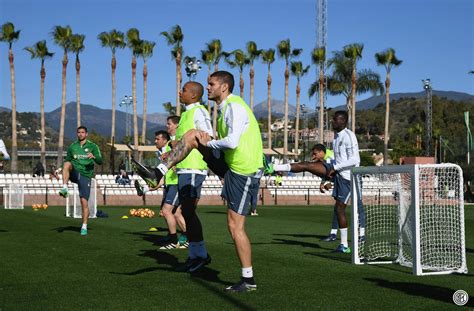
x,y
173,238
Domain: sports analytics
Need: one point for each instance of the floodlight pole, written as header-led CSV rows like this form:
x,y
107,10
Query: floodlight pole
x,y
428,115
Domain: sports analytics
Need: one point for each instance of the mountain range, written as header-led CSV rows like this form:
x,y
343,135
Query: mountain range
x,y
99,119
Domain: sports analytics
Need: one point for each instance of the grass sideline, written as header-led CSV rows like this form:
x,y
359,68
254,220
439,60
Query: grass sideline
x,y
46,264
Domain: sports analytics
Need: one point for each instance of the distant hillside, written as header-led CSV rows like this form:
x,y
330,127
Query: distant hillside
x,y
4,109
373,101
95,119
157,118
278,109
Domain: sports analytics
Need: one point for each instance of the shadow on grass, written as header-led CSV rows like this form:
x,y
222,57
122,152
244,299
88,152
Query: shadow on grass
x,y
332,256
470,250
3,231
299,235
68,228
295,242
438,293
216,212
157,240
230,297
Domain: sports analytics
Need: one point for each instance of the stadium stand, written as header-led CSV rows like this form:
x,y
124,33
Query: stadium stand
x,y
295,190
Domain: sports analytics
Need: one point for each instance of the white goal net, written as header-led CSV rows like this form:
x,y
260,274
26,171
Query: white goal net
x,y
414,216
73,202
14,196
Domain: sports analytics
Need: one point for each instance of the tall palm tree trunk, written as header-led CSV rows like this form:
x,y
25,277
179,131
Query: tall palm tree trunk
x,y
387,118
145,90
209,103
42,121
353,99
321,104
252,86
114,65
178,83
14,156
269,107
241,84
63,114
134,95
214,110
78,91
297,125
285,130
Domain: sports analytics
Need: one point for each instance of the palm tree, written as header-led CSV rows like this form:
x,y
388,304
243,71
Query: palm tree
x,y
206,57
387,59
146,51
268,57
252,54
318,57
353,52
77,46
215,49
239,60
339,82
40,51
175,38
285,52
9,35
62,37
113,39
298,71
134,43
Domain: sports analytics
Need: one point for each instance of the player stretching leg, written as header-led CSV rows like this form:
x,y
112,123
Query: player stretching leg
x,y
79,168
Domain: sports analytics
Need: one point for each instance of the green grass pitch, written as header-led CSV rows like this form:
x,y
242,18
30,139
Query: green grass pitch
x,y
46,265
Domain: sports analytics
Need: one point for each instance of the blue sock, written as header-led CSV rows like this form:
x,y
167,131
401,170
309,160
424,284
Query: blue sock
x,y
201,249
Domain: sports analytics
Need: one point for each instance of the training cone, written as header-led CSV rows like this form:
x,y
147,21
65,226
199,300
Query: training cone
x,y
125,217
153,229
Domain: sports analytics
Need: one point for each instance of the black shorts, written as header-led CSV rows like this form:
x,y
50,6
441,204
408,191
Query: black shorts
x,y
83,183
216,162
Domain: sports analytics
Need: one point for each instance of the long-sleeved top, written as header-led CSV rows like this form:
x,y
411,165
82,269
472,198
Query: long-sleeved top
x,y
3,150
237,122
346,152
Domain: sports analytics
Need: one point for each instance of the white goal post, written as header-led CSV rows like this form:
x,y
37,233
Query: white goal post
x,y
73,202
14,196
414,216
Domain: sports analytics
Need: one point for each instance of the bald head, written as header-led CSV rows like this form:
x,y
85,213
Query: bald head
x,y
191,93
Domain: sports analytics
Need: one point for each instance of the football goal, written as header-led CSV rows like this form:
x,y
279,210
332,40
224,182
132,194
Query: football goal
x,y
73,202
14,196
414,216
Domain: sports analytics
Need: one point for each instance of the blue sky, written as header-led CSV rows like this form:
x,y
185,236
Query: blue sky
x,y
434,38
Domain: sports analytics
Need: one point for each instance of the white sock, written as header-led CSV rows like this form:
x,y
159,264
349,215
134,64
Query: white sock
x,y
146,189
344,236
282,167
163,169
361,231
84,226
64,186
247,272
334,231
